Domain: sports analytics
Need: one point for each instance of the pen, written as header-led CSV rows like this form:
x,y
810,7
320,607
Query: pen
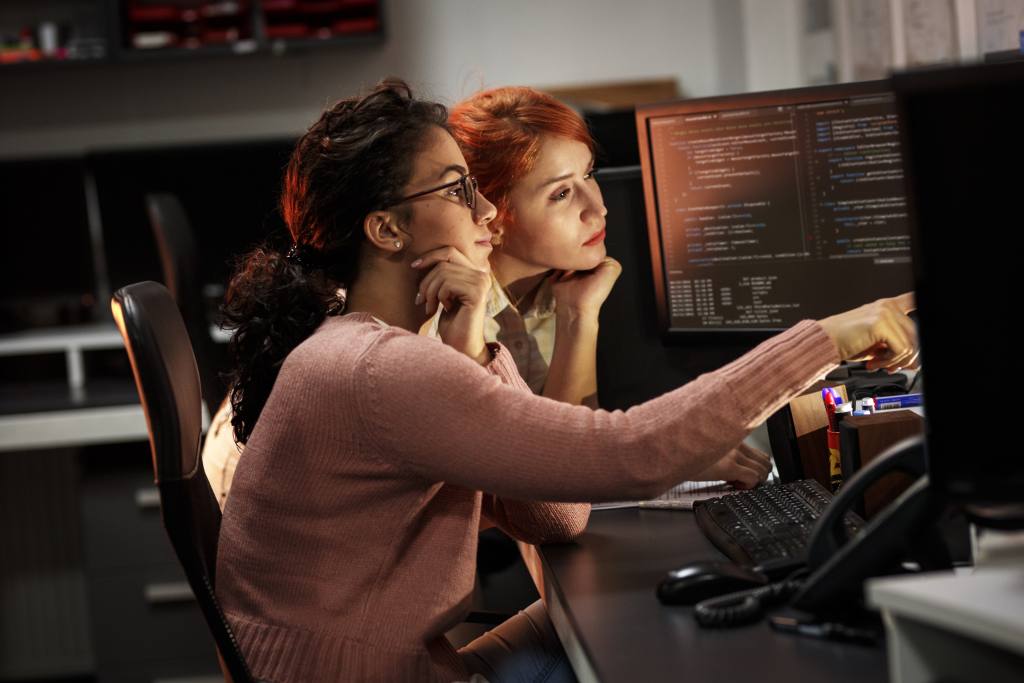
x,y
824,629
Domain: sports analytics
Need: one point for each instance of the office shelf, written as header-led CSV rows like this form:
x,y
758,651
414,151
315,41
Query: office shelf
x,y
49,33
41,35
240,27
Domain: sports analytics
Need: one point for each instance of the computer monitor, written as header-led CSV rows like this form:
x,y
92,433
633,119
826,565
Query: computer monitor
x,y
964,145
768,208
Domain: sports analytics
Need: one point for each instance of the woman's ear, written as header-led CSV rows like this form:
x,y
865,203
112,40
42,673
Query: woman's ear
x,y
381,229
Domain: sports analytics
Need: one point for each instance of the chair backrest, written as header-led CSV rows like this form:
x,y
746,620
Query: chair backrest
x,y
179,259
168,383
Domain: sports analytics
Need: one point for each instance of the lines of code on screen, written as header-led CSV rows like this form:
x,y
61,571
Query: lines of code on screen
x,y
774,214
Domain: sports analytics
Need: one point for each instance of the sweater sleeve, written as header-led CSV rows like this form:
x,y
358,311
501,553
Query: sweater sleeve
x,y
530,521
461,424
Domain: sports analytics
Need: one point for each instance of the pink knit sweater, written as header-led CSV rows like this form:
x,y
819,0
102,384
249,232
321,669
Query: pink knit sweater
x,y
348,544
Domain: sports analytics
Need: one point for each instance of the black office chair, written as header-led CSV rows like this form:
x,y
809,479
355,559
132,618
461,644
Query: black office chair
x,y
179,259
168,383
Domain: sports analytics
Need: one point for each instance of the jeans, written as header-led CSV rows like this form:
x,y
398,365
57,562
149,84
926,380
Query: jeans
x,y
523,649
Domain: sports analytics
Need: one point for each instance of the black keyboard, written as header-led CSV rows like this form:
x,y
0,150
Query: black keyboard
x,y
768,527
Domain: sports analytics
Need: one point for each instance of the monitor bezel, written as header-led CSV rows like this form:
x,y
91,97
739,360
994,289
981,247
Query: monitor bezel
x,y
767,98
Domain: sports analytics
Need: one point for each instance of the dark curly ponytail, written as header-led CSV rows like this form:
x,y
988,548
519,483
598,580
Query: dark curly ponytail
x,y
355,159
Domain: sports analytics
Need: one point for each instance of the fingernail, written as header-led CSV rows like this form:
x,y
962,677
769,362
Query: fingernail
x,y
416,263
419,299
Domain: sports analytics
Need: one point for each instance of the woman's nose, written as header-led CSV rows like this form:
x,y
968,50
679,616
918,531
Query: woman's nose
x,y
595,202
484,212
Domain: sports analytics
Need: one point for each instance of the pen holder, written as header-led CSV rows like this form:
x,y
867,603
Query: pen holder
x,y
798,438
835,470
862,439
812,449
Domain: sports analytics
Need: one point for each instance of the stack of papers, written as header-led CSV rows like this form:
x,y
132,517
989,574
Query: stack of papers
x,y
680,497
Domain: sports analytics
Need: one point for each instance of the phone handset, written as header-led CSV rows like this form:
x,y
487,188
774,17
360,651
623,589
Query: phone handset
x,y
905,527
829,533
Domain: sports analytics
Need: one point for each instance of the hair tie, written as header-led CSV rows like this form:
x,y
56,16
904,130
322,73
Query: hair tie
x,y
293,255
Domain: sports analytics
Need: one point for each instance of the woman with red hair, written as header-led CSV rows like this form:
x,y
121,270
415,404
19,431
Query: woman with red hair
x,y
534,157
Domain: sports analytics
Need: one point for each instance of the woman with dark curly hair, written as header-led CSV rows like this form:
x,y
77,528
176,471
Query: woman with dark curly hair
x,y
375,455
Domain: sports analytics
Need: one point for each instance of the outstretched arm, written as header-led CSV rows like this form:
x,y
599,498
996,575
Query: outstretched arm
x,y
476,432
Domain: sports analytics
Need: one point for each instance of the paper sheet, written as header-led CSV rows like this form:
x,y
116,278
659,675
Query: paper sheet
x,y
680,497
999,25
870,38
930,29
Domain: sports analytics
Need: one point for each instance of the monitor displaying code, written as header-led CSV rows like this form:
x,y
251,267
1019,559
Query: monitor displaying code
x,y
765,214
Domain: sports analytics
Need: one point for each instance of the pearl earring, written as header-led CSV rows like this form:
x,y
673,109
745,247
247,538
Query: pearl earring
x,y
398,244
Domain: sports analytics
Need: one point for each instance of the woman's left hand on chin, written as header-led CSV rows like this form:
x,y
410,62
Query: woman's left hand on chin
x,y
585,291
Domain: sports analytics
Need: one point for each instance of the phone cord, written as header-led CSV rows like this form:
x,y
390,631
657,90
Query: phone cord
x,y
744,607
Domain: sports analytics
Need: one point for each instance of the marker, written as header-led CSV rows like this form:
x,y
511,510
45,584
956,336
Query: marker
x,y
830,407
834,404
901,401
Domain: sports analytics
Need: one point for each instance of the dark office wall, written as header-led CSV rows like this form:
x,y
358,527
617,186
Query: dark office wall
x,y
634,362
229,191
46,264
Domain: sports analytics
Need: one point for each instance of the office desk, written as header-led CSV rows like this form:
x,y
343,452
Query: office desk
x,y
77,410
72,412
600,594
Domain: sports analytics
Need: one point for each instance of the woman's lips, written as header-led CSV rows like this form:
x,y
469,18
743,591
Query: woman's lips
x,y
597,237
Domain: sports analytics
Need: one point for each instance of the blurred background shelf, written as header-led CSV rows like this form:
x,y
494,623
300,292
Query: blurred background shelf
x,y
60,32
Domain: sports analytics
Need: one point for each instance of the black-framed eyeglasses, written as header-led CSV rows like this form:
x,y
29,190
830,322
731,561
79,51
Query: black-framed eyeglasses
x,y
467,184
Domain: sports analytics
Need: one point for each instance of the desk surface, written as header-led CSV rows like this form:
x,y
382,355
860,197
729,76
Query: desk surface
x,y
600,594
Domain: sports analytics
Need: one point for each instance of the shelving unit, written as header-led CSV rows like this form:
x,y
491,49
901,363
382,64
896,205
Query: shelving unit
x,y
62,31
111,31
